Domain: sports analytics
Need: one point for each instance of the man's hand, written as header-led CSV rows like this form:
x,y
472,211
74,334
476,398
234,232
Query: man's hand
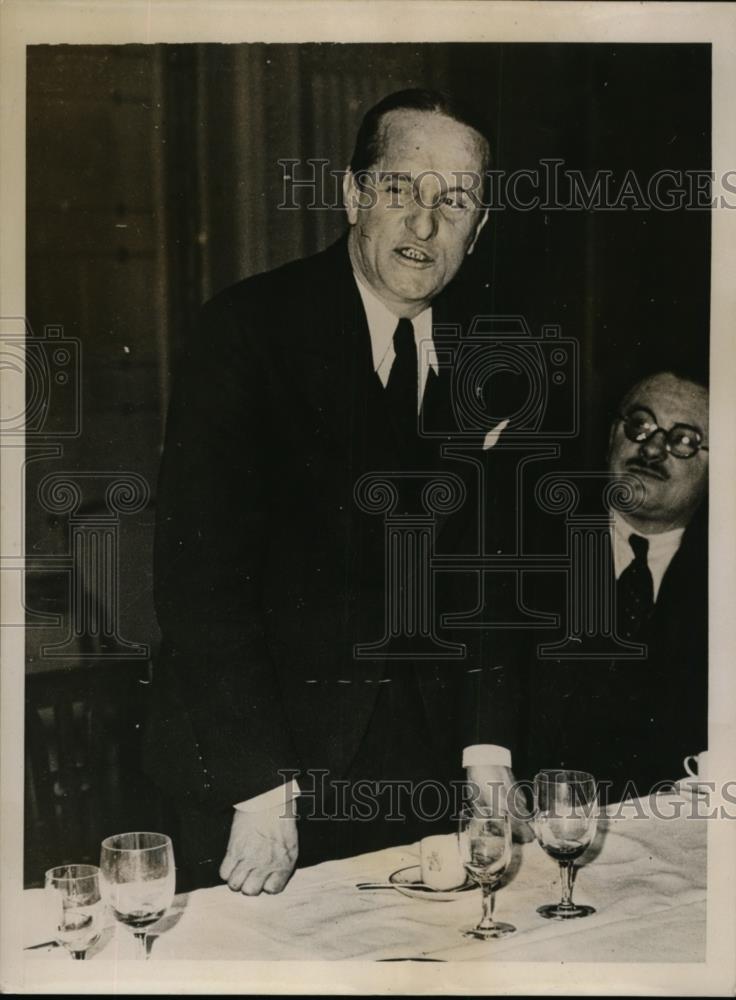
x,y
261,852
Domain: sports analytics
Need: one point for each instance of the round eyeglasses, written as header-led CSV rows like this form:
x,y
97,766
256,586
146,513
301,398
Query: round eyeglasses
x,y
681,440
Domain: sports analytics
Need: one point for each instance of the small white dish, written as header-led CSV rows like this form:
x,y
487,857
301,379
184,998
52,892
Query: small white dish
x,y
408,881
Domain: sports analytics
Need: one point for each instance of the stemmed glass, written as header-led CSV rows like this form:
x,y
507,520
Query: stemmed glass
x,y
139,879
485,849
565,821
74,894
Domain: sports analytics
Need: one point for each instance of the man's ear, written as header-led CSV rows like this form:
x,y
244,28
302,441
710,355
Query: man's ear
x,y
479,226
350,196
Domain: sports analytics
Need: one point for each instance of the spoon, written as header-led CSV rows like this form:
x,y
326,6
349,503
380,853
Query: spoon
x,y
414,886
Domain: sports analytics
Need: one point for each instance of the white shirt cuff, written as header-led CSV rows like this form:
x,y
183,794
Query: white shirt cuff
x,y
275,798
486,755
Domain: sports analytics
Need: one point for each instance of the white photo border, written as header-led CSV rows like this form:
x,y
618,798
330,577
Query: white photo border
x,y
29,22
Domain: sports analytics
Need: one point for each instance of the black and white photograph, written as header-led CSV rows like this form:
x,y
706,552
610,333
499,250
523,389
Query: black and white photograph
x,y
368,547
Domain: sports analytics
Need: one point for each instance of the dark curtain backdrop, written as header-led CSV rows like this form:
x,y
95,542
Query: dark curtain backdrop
x,y
153,181
632,286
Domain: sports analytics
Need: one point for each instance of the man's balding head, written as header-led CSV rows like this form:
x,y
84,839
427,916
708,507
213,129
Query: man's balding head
x,y
371,137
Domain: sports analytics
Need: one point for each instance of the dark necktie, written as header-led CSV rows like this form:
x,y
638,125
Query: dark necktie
x,y
634,591
402,386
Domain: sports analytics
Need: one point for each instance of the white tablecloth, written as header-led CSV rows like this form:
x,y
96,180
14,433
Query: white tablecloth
x,y
646,877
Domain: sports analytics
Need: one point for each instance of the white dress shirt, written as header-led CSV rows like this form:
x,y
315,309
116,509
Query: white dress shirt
x,y
382,325
662,548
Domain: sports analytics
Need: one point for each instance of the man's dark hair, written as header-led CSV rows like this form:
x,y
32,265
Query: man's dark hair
x,y
368,142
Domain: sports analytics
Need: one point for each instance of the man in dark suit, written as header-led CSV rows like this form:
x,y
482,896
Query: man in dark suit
x,y
630,722
268,574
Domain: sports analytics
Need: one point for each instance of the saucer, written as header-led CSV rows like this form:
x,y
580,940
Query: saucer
x,y
692,786
408,881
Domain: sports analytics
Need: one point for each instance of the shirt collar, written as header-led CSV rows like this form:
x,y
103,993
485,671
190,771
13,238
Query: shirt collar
x,y
382,326
666,542
660,553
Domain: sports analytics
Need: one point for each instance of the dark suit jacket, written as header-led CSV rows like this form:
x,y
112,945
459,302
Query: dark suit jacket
x,y
266,571
632,721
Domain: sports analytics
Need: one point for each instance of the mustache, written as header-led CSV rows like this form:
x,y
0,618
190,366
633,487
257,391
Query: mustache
x,y
655,469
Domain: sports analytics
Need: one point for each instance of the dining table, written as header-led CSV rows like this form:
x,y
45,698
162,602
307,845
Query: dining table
x,y
645,875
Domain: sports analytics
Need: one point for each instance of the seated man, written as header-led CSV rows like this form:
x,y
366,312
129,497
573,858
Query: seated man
x,y
630,722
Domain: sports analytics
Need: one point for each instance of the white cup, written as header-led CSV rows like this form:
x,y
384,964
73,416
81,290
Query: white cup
x,y
696,765
442,867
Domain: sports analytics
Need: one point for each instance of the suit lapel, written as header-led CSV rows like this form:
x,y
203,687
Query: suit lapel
x,y
332,368
332,373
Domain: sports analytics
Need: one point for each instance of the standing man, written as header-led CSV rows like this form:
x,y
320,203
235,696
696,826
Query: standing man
x,y
267,574
631,722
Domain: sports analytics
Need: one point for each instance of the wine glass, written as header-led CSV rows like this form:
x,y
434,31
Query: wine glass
x,y
566,817
139,879
485,849
73,892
